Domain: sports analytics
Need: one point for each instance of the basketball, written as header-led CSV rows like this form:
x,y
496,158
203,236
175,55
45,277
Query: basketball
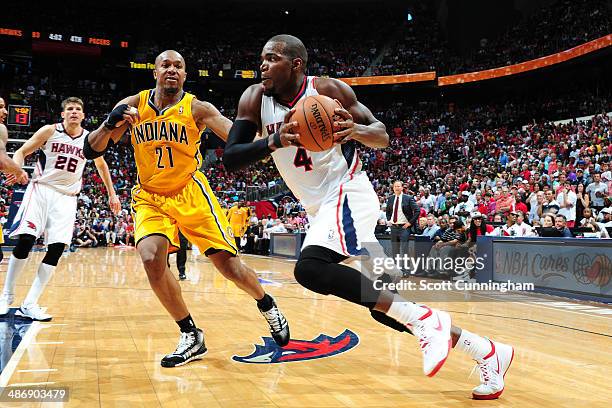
x,y
315,117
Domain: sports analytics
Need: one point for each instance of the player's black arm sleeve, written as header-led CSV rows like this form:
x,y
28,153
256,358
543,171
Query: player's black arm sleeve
x,y
240,150
90,153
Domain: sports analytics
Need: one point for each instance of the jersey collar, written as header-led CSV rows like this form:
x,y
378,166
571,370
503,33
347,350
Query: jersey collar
x,y
299,95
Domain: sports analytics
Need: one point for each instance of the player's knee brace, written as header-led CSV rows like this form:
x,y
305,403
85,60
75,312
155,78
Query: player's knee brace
x,y
54,253
24,246
310,273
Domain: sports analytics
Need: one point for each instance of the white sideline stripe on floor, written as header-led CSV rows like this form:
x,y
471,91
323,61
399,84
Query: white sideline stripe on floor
x,y
31,384
7,373
558,306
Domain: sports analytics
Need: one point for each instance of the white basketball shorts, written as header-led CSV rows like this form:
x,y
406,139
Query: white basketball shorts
x,y
44,209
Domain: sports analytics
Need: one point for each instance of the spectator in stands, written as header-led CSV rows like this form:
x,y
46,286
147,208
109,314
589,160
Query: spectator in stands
x,y
548,221
561,226
111,234
85,238
431,227
427,201
587,217
509,229
478,227
464,208
597,191
550,205
97,230
443,226
421,225
567,203
607,217
523,229
582,202
535,212
381,227
253,234
453,237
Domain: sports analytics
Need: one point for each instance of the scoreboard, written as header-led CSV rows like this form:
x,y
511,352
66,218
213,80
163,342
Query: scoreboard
x,y
64,37
19,115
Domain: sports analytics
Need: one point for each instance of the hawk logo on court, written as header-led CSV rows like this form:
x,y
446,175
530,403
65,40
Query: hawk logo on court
x,y
300,350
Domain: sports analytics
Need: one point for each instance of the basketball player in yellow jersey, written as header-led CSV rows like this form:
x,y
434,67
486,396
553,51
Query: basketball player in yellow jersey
x,y
238,217
165,125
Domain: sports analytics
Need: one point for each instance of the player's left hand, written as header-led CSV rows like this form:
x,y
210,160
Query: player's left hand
x,y
21,178
343,120
114,204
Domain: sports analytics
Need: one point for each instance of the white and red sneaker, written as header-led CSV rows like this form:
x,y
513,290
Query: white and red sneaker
x,y
433,332
493,369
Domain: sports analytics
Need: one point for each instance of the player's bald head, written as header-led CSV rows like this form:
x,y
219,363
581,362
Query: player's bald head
x,y
292,46
169,55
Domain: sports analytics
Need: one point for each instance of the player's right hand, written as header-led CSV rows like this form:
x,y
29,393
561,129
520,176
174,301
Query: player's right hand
x,y
121,114
287,135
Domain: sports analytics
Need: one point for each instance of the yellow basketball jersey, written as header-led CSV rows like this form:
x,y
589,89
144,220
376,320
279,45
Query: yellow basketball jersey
x,y
166,144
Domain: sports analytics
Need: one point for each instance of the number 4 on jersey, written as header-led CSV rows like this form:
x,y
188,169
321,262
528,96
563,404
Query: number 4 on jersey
x,y
302,159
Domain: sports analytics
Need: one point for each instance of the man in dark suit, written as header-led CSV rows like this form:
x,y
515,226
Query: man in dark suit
x,y
402,215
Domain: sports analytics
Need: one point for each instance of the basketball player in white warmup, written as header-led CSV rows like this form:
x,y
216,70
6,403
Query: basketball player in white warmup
x,y
50,203
342,205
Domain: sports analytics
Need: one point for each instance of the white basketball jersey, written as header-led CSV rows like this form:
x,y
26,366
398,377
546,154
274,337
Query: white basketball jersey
x,y
61,162
309,175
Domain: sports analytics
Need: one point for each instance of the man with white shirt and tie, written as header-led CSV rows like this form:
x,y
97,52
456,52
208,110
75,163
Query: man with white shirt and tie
x,y
402,214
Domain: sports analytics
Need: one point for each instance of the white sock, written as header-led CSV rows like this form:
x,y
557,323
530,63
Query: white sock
x,y
473,345
403,311
15,267
40,282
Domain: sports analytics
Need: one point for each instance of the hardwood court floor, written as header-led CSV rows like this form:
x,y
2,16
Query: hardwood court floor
x,y
109,333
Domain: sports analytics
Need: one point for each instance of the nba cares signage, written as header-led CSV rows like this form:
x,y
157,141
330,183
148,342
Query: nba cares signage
x,y
578,266
300,350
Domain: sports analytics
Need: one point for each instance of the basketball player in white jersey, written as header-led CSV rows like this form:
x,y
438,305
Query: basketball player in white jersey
x,y
342,205
50,203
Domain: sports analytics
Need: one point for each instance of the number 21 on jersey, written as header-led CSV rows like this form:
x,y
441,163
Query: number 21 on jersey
x,y
164,159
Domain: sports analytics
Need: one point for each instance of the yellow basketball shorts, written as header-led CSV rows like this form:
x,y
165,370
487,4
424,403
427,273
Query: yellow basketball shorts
x,y
194,210
1,235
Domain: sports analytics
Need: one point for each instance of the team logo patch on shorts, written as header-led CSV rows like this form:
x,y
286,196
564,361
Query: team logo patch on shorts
x,y
301,350
230,232
31,225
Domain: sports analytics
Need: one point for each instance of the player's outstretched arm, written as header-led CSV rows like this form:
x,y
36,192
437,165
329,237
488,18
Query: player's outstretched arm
x,y
38,139
7,165
113,201
206,114
357,123
240,150
110,131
